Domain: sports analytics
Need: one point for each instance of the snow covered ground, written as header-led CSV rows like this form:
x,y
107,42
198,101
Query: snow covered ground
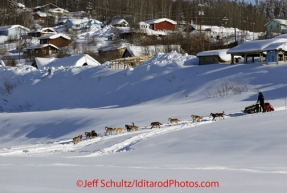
x,y
41,113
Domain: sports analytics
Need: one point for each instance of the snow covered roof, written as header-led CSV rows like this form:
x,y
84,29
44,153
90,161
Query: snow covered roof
x,y
280,36
96,21
280,21
276,46
119,21
136,50
212,28
78,21
54,36
8,27
20,5
142,23
153,21
2,63
149,50
62,20
41,14
78,60
58,10
221,53
47,28
254,46
47,5
41,46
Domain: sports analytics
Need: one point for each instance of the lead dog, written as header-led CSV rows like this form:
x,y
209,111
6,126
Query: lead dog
x,y
217,115
173,120
196,118
155,124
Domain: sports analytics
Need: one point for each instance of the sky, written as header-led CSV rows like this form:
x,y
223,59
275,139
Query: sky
x,y
250,1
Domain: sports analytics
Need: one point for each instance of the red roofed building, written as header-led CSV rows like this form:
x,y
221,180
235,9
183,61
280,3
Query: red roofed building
x,y
162,24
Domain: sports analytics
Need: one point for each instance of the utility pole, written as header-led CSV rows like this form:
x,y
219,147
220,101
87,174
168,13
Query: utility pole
x,y
200,13
253,24
235,33
20,42
225,19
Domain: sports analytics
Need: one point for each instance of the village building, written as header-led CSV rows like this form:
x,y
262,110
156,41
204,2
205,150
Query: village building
x,y
276,52
134,56
20,6
45,8
136,51
49,12
162,24
276,26
58,12
42,32
62,21
142,26
41,16
80,24
255,48
111,52
59,40
14,31
78,60
41,50
215,57
119,23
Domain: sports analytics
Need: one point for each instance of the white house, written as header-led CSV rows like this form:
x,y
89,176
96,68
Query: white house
x,y
13,31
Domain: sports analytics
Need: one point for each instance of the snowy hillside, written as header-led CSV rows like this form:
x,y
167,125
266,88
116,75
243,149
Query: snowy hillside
x,y
41,113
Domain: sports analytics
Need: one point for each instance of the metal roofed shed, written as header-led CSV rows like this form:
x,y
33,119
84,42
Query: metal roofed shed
x,y
215,57
253,48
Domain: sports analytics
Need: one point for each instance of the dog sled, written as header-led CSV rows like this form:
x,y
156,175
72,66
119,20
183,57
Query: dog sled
x,y
255,108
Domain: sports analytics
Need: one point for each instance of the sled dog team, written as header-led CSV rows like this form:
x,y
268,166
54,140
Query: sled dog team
x,y
133,127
